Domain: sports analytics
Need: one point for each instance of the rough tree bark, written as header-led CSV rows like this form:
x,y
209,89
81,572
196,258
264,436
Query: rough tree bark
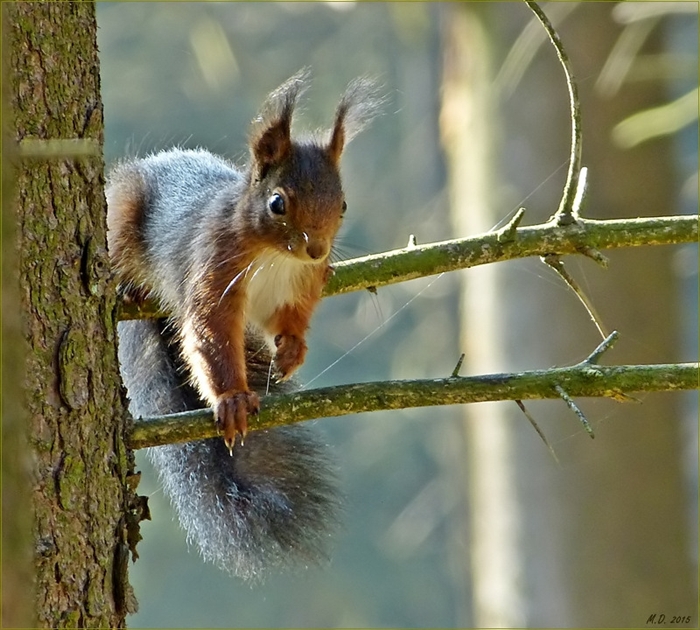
x,y
75,404
16,519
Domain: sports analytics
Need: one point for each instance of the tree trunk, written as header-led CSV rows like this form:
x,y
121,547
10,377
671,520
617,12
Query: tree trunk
x,y
74,400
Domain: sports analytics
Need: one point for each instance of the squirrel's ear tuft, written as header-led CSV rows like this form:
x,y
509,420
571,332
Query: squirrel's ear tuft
x,y
270,138
360,104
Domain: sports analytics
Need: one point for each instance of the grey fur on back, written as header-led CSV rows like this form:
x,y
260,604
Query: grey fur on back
x,y
179,187
272,505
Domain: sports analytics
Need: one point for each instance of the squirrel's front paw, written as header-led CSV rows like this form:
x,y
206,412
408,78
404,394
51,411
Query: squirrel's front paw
x,y
231,414
291,351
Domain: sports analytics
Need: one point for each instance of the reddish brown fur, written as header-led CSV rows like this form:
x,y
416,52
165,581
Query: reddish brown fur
x,y
213,339
124,225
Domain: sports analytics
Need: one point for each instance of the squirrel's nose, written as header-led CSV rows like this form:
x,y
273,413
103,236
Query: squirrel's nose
x,y
317,250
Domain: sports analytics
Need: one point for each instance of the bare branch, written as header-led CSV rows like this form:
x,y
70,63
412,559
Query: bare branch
x,y
575,408
539,240
583,379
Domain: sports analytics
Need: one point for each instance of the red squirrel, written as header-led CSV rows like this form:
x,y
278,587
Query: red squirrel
x,y
223,248
235,256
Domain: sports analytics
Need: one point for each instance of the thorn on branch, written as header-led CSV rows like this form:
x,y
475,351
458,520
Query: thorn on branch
x,y
537,428
604,346
574,407
507,233
556,263
595,255
458,367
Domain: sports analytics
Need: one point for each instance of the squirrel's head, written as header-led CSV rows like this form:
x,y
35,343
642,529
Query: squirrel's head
x,y
298,201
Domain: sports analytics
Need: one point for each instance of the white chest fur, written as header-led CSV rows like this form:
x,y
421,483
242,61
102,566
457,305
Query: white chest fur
x,y
274,279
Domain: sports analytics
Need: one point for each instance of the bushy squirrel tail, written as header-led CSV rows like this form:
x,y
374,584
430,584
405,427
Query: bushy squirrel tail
x,y
271,505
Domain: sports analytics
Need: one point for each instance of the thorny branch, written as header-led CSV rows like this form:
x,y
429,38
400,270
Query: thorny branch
x,y
583,379
586,378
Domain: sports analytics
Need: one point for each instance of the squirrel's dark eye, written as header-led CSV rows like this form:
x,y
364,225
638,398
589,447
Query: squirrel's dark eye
x,y
345,207
276,204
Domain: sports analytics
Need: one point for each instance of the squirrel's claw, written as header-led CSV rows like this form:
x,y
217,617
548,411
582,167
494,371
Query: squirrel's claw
x,y
231,413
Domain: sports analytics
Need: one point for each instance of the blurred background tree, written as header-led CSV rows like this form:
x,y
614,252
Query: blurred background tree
x,y
609,536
